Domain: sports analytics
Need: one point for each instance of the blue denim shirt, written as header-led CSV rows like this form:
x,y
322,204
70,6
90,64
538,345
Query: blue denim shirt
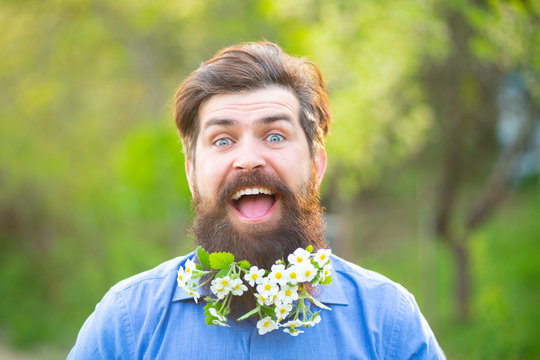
x,y
149,317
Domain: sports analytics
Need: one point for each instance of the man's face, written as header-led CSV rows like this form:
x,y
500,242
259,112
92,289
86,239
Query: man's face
x,y
247,132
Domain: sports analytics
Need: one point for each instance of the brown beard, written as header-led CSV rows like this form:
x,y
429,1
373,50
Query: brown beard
x,y
301,224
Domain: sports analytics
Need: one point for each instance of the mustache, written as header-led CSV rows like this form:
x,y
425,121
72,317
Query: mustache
x,y
255,178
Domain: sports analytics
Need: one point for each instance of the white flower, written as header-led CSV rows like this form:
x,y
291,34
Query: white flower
x,y
288,294
182,277
292,275
322,257
292,327
293,323
282,311
266,325
254,276
190,266
278,274
222,283
220,293
263,300
306,272
326,271
299,256
221,287
237,287
220,323
217,315
267,288
196,295
314,320
293,332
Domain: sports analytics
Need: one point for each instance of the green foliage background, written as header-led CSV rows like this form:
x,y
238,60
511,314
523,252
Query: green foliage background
x,y
92,185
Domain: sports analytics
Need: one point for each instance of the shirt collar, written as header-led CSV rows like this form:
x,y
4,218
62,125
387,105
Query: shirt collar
x,y
327,294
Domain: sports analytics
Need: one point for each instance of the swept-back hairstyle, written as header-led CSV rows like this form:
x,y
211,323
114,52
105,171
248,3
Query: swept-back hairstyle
x,y
253,66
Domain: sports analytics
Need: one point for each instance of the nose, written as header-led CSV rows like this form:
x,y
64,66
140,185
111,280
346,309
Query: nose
x,y
249,157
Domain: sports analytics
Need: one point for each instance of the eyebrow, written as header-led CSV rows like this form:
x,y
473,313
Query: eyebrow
x,y
230,122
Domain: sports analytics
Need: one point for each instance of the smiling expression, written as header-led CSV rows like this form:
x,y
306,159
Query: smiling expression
x,y
252,131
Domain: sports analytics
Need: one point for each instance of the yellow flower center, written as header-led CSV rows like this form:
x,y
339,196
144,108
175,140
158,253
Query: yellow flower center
x,y
254,276
283,311
323,257
288,292
267,287
180,277
299,259
225,283
279,276
266,323
293,275
308,273
188,270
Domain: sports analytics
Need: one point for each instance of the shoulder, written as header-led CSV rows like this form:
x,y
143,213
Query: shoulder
x,y
358,279
389,310
152,278
129,308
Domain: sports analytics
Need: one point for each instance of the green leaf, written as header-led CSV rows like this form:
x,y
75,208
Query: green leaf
x,y
251,313
221,260
203,257
309,248
244,264
222,273
209,318
268,311
200,267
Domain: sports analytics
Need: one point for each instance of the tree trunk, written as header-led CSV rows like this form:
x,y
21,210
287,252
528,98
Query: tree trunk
x,y
462,281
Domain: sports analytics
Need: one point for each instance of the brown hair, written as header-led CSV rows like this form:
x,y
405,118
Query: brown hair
x,y
253,66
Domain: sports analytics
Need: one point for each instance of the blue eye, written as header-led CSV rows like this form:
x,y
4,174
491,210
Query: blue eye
x,y
223,142
275,138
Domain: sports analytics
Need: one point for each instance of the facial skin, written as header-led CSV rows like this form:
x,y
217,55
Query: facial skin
x,y
252,131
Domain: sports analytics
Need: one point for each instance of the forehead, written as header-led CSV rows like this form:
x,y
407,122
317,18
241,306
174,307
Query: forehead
x,y
251,105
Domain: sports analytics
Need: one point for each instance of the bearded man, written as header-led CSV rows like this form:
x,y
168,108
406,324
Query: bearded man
x,y
253,122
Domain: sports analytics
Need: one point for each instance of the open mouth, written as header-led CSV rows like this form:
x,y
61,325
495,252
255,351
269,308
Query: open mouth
x,y
254,203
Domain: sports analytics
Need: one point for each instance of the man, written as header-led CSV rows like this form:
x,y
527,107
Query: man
x,y
253,121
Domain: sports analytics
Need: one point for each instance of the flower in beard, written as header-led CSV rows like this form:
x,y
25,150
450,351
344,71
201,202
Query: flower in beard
x,y
254,276
267,288
287,294
322,257
306,272
278,274
299,257
266,325
237,287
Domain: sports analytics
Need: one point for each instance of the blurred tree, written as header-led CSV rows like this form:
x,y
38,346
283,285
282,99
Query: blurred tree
x,y
463,90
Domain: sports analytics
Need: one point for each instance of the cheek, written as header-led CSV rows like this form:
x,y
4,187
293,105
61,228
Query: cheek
x,y
295,169
209,175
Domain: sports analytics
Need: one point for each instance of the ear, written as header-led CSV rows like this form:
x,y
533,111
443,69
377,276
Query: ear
x,y
190,174
319,162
